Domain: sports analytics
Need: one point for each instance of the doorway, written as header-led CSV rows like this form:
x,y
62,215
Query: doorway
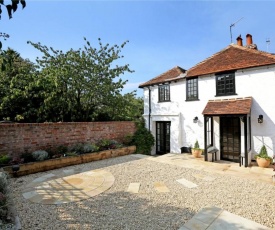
x,y
163,137
230,138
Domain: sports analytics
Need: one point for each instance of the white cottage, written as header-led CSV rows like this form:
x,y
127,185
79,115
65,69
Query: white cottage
x,y
226,101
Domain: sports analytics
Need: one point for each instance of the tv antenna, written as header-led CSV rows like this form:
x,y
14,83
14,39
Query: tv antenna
x,y
233,24
267,44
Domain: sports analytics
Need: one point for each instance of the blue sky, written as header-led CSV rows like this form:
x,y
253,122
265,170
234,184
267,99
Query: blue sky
x,y
161,34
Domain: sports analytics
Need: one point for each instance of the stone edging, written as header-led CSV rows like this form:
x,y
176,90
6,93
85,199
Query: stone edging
x,y
41,166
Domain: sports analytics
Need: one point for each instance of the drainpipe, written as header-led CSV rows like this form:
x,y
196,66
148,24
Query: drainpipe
x,y
149,123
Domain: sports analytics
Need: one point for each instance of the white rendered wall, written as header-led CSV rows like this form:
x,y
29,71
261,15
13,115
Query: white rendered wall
x,y
257,83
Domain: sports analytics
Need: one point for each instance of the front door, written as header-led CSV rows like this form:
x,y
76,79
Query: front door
x,y
163,137
230,138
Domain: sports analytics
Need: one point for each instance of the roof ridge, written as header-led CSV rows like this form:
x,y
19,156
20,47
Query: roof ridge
x,y
207,59
178,70
253,50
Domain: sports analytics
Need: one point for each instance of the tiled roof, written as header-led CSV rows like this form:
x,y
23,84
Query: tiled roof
x,y
228,106
233,57
172,74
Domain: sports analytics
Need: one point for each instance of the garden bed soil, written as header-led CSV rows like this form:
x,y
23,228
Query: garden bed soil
x,y
41,166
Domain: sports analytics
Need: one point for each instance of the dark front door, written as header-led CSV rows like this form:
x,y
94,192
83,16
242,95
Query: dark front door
x,y
230,138
163,137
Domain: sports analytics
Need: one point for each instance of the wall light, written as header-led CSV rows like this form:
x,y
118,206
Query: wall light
x,y
195,120
260,119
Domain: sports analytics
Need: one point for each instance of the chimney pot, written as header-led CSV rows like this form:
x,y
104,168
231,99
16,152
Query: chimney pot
x,y
239,41
249,39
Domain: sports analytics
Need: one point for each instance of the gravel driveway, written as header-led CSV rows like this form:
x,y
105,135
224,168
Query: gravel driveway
x,y
148,209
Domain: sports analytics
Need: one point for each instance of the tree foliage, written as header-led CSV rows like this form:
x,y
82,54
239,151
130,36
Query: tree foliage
x,y
18,91
77,85
11,8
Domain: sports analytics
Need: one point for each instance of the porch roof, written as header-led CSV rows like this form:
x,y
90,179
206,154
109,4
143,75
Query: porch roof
x,y
228,106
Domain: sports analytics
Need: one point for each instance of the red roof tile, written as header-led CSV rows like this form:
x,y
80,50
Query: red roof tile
x,y
172,74
228,106
233,57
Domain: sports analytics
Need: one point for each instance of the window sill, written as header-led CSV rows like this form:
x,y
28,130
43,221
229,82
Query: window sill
x,y
224,95
192,100
163,101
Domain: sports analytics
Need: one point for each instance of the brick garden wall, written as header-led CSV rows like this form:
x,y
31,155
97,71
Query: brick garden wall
x,y
18,138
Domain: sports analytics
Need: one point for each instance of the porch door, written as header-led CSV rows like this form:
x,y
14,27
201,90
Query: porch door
x,y
230,138
163,137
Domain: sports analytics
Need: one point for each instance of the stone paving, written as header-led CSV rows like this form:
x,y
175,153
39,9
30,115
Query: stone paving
x,y
213,218
74,185
67,186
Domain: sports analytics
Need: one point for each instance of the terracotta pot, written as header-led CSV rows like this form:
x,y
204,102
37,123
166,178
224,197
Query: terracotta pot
x,y
196,152
262,162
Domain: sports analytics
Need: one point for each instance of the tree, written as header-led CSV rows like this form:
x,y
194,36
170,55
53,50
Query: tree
x,y
11,8
127,107
81,84
19,96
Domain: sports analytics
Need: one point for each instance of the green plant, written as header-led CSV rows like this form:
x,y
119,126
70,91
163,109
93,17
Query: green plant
x,y
5,159
263,154
197,145
40,155
143,138
90,148
128,139
27,157
3,182
104,144
61,149
71,154
78,148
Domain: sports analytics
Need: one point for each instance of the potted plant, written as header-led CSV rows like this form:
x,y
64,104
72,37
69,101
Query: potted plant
x,y
263,160
197,151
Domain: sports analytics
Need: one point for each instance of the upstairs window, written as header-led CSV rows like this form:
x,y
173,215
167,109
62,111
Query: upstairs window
x,y
192,89
164,93
225,84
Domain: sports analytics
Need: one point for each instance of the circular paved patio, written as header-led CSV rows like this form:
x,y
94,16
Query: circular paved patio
x,y
68,187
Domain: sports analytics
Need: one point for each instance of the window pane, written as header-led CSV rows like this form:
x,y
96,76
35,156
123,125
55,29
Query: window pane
x,y
164,93
192,89
225,84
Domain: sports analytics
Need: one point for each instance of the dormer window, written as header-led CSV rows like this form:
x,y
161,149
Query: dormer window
x,y
164,93
225,84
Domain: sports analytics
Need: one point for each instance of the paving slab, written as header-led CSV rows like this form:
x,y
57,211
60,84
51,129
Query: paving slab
x,y
133,187
187,183
214,218
161,187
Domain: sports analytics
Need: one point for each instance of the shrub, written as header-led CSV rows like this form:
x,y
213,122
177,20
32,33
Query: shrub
x,y
104,144
40,155
5,159
27,157
115,144
143,138
128,139
3,182
77,148
61,149
263,154
196,145
3,197
71,154
90,148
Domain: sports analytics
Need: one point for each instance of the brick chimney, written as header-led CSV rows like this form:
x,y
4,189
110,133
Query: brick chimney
x,y
249,40
239,41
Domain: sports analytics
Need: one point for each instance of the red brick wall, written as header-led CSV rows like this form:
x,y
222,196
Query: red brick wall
x,y
18,138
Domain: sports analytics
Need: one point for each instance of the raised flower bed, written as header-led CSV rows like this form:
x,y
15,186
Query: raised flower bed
x,y
41,166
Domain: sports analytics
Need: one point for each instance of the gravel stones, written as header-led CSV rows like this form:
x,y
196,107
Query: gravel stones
x,y
148,209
